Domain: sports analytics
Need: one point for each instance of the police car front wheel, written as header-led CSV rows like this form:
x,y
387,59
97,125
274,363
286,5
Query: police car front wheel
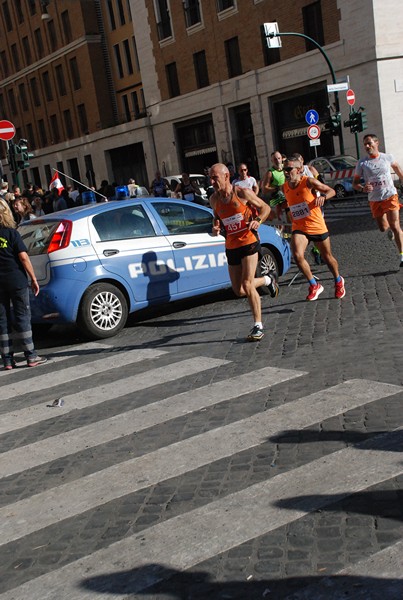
x,y
103,311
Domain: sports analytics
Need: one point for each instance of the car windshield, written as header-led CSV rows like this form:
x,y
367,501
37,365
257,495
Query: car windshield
x,y
344,162
37,235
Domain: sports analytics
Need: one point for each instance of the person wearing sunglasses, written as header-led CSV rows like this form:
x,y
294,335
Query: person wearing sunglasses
x,y
245,180
308,224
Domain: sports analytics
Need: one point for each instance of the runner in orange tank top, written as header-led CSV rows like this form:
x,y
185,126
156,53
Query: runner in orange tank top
x,y
240,214
308,224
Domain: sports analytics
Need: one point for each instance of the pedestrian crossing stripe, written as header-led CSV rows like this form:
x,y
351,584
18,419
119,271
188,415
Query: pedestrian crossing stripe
x,y
188,539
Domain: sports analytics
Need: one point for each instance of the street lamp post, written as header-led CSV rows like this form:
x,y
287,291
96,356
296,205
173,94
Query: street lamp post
x,y
272,34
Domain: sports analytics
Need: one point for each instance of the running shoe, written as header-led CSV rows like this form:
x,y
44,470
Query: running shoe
x,y
339,289
34,361
256,334
273,285
314,291
9,364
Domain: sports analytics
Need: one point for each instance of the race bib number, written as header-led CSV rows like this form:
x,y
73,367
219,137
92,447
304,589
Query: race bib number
x,y
300,211
234,223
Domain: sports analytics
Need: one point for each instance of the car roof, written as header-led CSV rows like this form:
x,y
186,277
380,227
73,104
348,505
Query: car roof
x,y
89,210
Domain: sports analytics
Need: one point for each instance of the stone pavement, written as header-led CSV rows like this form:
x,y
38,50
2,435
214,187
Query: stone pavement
x,y
188,463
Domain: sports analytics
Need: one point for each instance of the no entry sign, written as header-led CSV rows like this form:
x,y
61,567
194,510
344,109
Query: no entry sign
x,y
350,97
7,131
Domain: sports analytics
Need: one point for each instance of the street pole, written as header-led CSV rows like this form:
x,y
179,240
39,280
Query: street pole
x,y
273,34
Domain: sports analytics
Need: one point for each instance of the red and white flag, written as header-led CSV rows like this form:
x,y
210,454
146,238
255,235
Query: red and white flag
x,y
56,183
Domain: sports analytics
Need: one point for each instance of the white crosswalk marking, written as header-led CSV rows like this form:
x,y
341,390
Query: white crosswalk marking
x,y
86,493
183,541
48,380
345,210
138,419
110,391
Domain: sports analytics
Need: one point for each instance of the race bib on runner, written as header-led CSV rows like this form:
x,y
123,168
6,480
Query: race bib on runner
x,y
300,211
234,223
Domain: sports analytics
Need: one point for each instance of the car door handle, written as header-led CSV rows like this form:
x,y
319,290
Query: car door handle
x,y
179,244
110,252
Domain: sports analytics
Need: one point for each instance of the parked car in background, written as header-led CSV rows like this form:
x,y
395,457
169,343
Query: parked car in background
x,y
97,263
196,179
337,172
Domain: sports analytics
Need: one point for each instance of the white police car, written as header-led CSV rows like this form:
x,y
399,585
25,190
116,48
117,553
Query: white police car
x,y
98,263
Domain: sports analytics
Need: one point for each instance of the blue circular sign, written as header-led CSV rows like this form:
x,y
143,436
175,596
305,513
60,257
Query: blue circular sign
x,y
311,117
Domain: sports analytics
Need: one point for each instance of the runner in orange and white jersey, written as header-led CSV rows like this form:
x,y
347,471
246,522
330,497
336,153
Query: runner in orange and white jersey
x,y
241,212
308,224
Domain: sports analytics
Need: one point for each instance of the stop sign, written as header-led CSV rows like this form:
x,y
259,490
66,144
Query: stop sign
x,y
350,97
7,130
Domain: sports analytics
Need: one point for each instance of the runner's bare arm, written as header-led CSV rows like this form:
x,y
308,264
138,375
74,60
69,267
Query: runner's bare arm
x,y
250,197
325,191
398,170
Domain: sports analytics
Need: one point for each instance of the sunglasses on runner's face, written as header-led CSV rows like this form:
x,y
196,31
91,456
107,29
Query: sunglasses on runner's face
x,y
288,169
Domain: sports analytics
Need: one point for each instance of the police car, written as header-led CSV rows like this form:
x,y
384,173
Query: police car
x,y
97,263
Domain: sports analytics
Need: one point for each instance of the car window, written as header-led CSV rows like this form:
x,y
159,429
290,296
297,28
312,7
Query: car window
x,y
321,165
123,223
179,218
37,235
344,163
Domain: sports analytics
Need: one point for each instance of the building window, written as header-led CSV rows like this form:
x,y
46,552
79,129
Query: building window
x,y
129,10
27,50
7,17
4,63
233,57
142,103
121,12
118,59
192,12
271,55
68,123
16,58
135,103
52,35
75,74
172,78
18,8
39,42
42,132
32,7
200,65
111,15
313,25
54,127
128,57
23,96
30,135
47,86
82,117
2,105
136,56
224,4
66,25
126,108
33,84
61,84
163,19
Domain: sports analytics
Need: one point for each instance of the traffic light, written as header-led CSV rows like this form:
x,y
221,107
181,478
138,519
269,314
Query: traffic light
x,y
11,158
333,124
357,121
22,155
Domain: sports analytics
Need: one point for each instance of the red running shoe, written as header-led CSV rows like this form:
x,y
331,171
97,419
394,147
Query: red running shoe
x,y
314,291
339,290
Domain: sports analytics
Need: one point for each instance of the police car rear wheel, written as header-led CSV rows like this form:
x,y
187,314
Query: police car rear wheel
x,y
103,311
267,264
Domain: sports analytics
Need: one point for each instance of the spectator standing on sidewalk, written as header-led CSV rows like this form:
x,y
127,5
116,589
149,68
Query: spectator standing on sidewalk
x,y
378,184
240,212
15,266
308,224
